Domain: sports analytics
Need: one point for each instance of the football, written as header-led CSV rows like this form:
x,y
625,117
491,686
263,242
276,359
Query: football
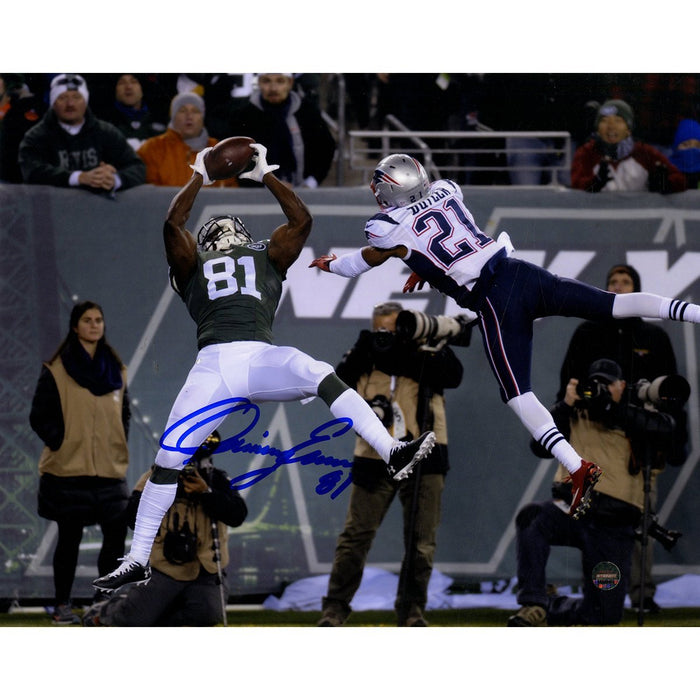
x,y
229,157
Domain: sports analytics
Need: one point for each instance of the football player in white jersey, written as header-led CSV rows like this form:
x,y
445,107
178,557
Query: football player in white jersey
x,y
427,225
231,287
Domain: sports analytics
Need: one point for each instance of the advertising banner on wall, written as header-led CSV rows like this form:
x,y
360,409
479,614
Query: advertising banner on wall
x,y
60,246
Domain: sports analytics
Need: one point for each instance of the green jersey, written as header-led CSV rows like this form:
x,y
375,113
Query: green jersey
x,y
234,296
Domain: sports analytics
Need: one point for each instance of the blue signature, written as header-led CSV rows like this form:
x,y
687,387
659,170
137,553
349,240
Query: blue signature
x,y
333,482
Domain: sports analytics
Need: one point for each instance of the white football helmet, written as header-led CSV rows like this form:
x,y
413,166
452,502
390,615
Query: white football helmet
x,y
222,233
399,180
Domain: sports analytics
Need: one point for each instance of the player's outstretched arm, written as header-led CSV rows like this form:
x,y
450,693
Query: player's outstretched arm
x,y
354,264
180,246
287,240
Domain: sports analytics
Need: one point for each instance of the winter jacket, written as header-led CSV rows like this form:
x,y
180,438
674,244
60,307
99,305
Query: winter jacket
x,y
644,169
48,154
168,159
295,135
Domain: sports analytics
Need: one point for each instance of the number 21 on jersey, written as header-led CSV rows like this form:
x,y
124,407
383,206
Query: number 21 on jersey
x,y
454,236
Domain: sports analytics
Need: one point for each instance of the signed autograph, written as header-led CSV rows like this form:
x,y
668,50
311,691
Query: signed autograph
x,y
305,453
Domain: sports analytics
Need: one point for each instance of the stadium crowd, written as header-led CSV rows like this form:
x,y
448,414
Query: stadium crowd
x,y
627,131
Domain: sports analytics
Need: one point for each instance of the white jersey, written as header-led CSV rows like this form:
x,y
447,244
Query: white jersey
x,y
446,247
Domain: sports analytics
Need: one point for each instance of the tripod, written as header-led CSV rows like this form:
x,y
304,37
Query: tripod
x,y
646,520
216,546
659,426
406,575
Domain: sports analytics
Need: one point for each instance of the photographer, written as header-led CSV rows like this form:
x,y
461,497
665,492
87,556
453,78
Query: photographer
x,y
598,420
644,351
190,552
402,368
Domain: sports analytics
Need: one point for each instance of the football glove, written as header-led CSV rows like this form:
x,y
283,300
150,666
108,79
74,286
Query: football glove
x,y
261,167
200,168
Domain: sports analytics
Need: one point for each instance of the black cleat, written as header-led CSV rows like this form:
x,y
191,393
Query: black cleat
x,y
407,454
130,571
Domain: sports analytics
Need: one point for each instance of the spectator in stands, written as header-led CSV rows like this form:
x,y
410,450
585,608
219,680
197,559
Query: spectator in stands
x,y
189,556
168,157
659,100
20,111
612,160
130,113
71,147
293,129
4,94
81,412
223,94
686,152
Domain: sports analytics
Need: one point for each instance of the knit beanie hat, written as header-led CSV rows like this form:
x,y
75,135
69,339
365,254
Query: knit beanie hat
x,y
185,98
618,107
687,129
627,270
67,81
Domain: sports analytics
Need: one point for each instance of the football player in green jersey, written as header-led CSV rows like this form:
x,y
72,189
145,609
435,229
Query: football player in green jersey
x,y
231,286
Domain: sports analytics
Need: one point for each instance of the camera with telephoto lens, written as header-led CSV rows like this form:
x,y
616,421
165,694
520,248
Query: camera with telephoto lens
x,y
650,406
665,393
433,332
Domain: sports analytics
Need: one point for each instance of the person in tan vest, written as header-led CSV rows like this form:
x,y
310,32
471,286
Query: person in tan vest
x,y
190,553
599,417
404,382
80,410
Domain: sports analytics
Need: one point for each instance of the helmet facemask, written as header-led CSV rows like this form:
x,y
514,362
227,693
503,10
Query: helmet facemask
x,y
222,234
399,180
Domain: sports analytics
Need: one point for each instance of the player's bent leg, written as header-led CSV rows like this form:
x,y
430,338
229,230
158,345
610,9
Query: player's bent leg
x,y
284,373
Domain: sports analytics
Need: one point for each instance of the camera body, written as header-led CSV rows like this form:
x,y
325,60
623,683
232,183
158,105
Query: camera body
x,y
595,397
433,332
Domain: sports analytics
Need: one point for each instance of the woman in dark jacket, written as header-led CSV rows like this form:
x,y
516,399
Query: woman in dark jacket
x,y
81,411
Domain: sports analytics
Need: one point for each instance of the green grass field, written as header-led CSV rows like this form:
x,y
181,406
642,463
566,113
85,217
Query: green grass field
x,y
472,617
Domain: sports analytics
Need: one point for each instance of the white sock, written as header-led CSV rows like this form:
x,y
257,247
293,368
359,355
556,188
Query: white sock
x,y
540,424
155,501
364,422
556,443
654,306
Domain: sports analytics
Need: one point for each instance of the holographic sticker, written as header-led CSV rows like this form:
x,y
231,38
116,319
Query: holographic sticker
x,y
605,575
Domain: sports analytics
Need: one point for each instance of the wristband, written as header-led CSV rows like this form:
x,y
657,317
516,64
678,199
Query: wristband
x,y
350,265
